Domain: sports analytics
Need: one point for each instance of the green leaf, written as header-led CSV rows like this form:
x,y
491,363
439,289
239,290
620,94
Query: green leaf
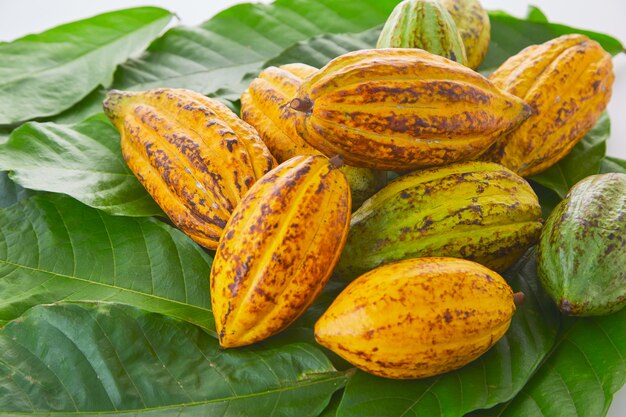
x,y
580,376
10,192
509,35
44,74
213,58
536,15
548,199
583,160
112,359
318,50
53,248
611,164
495,377
83,161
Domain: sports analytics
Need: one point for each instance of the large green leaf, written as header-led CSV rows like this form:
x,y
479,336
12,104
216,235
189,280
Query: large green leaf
x,y
83,161
510,34
611,164
112,359
580,376
53,248
213,58
495,377
583,160
44,74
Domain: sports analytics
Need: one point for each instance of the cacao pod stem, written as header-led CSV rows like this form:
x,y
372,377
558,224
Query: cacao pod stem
x,y
302,104
336,161
518,298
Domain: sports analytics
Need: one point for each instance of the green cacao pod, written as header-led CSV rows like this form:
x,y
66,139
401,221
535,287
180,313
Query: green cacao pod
x,y
423,24
582,251
472,22
474,210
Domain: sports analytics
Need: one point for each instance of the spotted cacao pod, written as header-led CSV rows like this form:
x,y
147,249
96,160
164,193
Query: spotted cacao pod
x,y
472,22
193,155
423,24
474,210
418,317
400,109
567,81
265,105
279,249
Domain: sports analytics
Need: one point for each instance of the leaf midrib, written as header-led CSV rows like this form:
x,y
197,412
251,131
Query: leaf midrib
x,y
84,280
299,385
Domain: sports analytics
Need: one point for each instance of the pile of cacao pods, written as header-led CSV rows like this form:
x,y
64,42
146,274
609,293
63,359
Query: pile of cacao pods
x,y
274,193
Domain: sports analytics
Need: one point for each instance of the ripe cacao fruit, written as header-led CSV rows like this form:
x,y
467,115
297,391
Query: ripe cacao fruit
x,y
582,251
279,249
193,155
567,81
418,317
472,22
474,210
423,24
265,105
399,109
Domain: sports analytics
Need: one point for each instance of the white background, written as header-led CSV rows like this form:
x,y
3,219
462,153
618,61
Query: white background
x,y
21,17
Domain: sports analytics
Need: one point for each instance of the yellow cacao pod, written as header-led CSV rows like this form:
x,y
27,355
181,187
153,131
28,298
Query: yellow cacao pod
x,y
478,211
472,22
279,249
567,81
193,155
400,109
418,317
265,105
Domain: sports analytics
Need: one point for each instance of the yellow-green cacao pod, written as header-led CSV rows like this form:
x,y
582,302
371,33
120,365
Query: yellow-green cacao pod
x,y
400,109
474,210
472,22
265,105
582,251
279,249
418,317
193,155
423,24
568,83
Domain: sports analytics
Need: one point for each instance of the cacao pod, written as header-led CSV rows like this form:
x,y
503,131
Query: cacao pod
x,y
399,109
418,317
265,105
423,24
567,81
279,249
193,155
474,210
472,22
582,251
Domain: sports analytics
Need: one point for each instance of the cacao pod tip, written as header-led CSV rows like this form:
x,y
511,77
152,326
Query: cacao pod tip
x,y
337,161
302,104
518,298
566,307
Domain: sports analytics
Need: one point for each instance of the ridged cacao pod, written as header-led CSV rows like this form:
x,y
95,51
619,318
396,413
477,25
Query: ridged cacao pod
x,y
193,155
582,251
399,109
567,81
423,24
265,105
418,317
474,210
472,22
279,249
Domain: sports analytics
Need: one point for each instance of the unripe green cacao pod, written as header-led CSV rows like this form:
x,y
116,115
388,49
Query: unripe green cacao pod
x,y
423,24
473,210
582,251
472,22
